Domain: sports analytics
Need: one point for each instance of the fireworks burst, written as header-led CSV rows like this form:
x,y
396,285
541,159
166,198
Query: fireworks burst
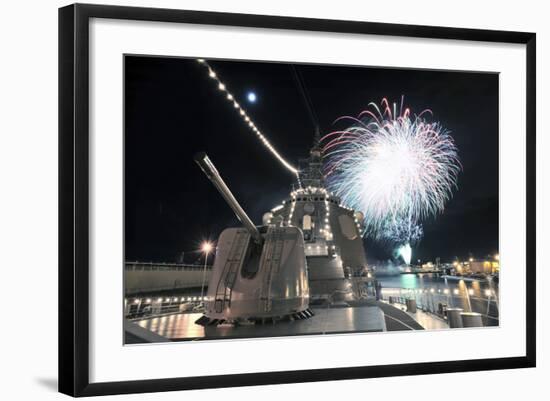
x,y
396,168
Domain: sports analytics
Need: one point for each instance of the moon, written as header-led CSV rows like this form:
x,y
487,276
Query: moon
x,y
251,96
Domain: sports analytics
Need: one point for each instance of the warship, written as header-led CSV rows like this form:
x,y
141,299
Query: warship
x,y
308,250
302,271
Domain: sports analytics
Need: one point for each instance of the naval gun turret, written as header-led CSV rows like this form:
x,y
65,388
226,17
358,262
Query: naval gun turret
x,y
259,273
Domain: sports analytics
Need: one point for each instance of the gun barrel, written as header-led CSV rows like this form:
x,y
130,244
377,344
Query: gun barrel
x,y
209,169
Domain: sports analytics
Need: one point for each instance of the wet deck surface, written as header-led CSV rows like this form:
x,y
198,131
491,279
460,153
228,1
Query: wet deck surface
x,y
428,321
396,319
181,327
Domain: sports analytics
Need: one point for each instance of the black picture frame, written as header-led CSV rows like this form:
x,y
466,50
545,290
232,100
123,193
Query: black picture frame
x,y
74,198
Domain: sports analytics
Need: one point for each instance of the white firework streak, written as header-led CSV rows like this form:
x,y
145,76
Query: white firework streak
x,y
400,232
393,167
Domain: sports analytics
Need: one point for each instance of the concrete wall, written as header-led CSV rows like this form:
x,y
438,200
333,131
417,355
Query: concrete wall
x,y
160,280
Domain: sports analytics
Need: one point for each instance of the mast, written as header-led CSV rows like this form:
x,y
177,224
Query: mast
x,y
311,168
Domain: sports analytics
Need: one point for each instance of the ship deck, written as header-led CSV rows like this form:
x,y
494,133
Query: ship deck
x,y
334,320
371,316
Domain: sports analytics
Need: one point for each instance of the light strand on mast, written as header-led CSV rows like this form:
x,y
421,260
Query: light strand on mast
x,y
247,120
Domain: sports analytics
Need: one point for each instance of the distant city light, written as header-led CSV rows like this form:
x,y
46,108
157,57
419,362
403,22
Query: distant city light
x,y
251,96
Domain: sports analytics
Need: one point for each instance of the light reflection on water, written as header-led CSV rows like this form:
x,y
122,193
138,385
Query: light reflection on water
x,y
427,281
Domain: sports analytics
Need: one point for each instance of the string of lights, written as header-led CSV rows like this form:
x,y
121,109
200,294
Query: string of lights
x,y
246,118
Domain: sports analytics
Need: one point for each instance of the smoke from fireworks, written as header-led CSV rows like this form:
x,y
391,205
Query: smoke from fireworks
x,y
396,168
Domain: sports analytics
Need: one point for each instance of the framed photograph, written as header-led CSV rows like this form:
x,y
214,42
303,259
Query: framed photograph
x,y
251,199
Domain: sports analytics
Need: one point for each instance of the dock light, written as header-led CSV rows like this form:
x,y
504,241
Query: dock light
x,y
432,290
159,300
136,301
194,298
471,291
206,248
487,293
167,300
471,259
446,291
175,300
455,291
148,300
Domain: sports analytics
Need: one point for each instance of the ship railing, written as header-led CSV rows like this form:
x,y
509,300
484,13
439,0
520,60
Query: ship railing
x,y
437,300
152,266
153,306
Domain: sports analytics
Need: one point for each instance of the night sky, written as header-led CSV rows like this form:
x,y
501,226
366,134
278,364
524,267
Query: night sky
x,y
173,110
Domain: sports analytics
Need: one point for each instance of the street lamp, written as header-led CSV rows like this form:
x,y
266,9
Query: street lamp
x,y
206,248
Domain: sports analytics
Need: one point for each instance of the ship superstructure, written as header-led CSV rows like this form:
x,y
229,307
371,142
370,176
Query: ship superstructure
x,y
336,259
